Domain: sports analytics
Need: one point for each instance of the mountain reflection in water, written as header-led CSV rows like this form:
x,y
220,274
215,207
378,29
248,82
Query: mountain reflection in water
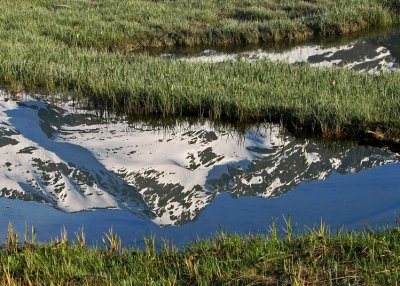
x,y
372,53
73,161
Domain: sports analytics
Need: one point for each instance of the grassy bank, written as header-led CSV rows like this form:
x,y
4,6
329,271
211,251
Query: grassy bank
x,y
78,47
329,100
125,25
314,258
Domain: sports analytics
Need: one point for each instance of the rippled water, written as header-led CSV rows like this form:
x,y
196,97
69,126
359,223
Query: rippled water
x,y
60,166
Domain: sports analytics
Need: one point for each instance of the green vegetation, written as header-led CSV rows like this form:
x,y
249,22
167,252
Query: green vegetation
x,y
124,25
314,258
79,47
322,100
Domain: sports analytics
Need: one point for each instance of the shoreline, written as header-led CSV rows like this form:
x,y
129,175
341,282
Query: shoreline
x,y
316,257
334,103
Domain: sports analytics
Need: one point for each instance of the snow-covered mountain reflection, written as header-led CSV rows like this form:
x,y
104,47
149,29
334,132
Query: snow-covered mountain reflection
x,y
370,54
73,161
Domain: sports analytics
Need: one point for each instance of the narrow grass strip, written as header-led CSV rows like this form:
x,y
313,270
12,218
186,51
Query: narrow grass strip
x,y
313,258
299,95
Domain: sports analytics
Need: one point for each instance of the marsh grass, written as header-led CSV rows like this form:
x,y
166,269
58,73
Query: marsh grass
x,y
125,25
334,102
316,257
79,48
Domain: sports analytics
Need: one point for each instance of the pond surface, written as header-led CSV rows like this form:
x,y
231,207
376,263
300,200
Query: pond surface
x,y
377,51
60,166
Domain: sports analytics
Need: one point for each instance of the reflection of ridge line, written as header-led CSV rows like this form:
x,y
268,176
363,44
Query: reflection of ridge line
x,y
179,198
65,152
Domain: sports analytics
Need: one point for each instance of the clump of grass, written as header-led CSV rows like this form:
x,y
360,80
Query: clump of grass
x,y
316,257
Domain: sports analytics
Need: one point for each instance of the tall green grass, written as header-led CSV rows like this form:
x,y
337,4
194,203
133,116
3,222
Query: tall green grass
x,y
126,25
323,100
78,47
314,258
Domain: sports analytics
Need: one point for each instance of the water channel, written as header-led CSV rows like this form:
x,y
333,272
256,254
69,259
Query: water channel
x,y
374,52
63,166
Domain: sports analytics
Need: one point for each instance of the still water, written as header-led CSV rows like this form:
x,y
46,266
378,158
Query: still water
x,y
60,166
374,52
63,166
